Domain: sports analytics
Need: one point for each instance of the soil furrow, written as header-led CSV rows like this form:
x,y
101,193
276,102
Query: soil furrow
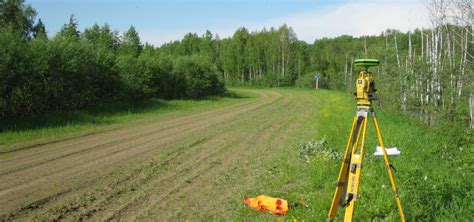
x,y
174,168
118,134
180,180
81,169
168,206
115,145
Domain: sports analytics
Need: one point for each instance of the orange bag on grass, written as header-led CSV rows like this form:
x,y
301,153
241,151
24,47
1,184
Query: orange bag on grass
x,y
266,203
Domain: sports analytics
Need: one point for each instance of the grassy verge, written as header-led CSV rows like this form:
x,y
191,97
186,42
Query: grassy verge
x,y
17,133
434,179
433,173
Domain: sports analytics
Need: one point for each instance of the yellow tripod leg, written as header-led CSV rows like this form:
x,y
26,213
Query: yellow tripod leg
x,y
342,178
354,175
387,165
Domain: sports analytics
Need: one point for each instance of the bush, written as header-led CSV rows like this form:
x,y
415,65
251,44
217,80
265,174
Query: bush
x,y
200,77
71,71
14,66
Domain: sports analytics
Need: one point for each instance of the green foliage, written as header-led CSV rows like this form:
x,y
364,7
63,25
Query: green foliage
x,y
14,67
130,44
77,69
409,76
69,30
17,15
266,58
318,149
200,77
434,89
39,30
102,36
305,81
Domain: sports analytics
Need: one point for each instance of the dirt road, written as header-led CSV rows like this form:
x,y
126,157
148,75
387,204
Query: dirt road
x,y
186,167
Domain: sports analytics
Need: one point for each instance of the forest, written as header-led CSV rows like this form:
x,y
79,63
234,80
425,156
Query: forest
x,y
74,69
98,125
426,73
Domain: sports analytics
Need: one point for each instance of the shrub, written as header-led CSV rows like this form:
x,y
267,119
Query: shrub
x,y
200,77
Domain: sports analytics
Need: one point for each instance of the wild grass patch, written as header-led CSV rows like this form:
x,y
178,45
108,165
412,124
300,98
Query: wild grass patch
x,y
57,125
433,172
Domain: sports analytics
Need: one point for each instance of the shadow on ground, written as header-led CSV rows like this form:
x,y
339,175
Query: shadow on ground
x,y
99,114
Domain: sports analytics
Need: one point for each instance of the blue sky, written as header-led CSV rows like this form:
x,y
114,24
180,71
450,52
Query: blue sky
x,y
160,21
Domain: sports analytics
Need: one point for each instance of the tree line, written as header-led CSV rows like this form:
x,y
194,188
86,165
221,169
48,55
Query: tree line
x,y
74,69
427,73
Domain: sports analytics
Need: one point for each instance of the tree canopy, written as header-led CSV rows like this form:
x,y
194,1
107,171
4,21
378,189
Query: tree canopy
x,y
427,73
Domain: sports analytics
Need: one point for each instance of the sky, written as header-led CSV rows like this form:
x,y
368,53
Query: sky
x,y
161,21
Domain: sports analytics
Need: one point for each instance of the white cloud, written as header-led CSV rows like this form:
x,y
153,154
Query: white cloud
x,y
356,18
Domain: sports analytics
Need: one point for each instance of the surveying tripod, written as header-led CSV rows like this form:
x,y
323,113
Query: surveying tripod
x,y
347,186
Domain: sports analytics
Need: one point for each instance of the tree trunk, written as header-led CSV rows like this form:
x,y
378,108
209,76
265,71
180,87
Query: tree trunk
x,y
345,73
422,44
282,61
365,47
396,49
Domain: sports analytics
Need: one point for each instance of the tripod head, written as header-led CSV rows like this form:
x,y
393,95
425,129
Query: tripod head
x,y
365,84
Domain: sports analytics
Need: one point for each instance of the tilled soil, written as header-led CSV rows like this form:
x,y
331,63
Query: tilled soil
x,y
180,168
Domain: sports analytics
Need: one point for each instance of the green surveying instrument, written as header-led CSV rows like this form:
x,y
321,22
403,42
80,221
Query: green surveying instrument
x,y
347,186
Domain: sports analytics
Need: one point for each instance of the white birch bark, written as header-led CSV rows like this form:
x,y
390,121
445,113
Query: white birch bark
x,y
396,50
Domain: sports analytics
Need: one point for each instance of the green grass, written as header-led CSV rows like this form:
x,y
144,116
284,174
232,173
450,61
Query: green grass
x,y
15,133
433,173
434,182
